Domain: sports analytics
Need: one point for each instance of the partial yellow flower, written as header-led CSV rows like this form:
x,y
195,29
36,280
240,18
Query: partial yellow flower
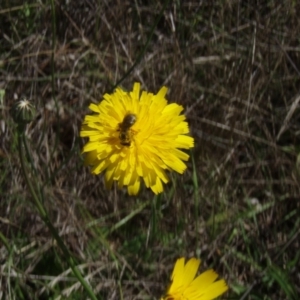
x,y
134,136
185,286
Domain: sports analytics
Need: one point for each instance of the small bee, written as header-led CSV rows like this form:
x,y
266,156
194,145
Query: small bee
x,y
124,128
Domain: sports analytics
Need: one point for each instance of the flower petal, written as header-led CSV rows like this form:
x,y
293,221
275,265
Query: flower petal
x,y
185,287
145,149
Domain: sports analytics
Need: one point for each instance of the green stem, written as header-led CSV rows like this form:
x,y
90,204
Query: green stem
x,y
45,218
5,242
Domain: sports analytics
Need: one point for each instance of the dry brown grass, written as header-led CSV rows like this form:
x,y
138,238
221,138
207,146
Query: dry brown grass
x,y
234,66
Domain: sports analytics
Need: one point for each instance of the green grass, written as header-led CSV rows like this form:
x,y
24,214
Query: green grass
x,y
233,66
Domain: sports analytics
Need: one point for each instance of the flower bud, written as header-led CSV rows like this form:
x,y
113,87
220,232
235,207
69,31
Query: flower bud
x,y
23,112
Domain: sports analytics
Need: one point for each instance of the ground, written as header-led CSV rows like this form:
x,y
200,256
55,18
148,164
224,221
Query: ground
x,y
233,66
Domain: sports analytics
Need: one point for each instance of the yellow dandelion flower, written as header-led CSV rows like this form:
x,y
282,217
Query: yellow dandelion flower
x,y
185,286
134,136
